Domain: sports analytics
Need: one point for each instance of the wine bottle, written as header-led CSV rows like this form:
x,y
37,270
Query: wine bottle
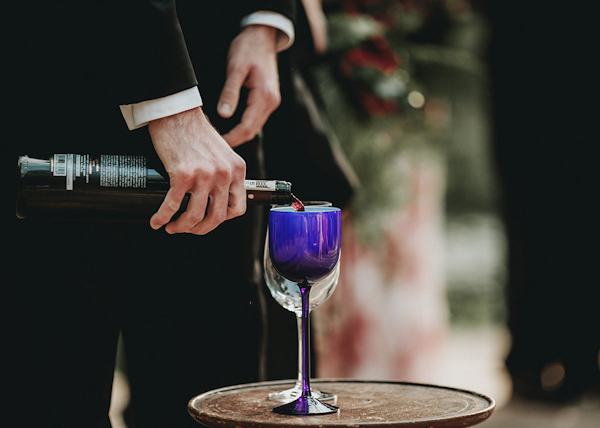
x,y
109,188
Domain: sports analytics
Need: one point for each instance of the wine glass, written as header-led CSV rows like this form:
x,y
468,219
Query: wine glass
x,y
287,294
304,247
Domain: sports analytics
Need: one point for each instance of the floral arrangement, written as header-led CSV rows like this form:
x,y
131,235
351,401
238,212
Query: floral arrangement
x,y
374,103
367,41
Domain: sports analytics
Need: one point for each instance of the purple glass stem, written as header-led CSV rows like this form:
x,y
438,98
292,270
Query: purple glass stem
x,y
305,292
306,404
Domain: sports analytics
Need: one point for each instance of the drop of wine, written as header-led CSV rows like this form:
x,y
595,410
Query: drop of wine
x,y
297,204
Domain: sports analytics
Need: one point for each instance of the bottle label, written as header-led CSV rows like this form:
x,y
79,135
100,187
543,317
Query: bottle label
x,y
269,185
123,171
60,165
115,171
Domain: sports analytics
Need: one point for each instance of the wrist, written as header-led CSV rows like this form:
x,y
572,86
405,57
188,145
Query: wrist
x,y
262,33
140,114
284,34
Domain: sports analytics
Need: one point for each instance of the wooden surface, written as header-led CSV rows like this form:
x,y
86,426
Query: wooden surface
x,y
373,404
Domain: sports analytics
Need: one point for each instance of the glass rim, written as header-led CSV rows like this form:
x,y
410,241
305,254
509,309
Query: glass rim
x,y
308,209
313,203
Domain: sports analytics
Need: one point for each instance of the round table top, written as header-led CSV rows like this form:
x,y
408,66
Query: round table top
x,y
372,404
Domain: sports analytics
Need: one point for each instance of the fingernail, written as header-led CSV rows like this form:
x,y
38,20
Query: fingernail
x,y
224,108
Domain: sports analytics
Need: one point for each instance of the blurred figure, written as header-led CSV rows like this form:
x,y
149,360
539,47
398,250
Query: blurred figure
x,y
540,59
388,314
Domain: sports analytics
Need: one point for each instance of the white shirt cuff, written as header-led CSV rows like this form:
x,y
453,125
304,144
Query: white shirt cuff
x,y
285,35
139,114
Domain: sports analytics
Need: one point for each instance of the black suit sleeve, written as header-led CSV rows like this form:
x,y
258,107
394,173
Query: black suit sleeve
x,y
157,59
284,7
151,50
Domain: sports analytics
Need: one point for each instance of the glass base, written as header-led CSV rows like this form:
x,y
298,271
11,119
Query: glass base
x,y
305,406
295,392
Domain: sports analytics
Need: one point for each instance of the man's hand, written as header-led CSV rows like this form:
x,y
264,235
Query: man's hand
x,y
201,163
252,63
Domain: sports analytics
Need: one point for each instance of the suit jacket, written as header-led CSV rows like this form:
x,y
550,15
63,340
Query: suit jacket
x,y
71,63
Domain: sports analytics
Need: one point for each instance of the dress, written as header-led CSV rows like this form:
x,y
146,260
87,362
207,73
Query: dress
x,y
388,313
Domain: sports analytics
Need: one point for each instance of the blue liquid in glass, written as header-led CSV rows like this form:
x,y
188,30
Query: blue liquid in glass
x,y
305,245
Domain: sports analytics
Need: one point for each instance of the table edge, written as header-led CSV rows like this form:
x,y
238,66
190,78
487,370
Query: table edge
x,y
474,418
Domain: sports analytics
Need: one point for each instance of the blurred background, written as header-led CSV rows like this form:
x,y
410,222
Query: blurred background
x,y
466,255
467,249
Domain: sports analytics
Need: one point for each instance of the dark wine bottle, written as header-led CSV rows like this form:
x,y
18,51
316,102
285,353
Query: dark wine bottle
x,y
109,188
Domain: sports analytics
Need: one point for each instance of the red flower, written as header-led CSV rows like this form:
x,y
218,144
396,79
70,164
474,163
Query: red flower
x,y
376,53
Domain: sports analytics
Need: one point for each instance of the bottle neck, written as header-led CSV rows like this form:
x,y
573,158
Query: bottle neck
x,y
268,192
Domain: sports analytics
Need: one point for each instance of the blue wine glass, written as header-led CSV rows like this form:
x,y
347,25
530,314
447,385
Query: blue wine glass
x,y
287,294
305,247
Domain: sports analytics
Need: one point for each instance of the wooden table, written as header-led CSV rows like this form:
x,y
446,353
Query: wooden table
x,y
369,404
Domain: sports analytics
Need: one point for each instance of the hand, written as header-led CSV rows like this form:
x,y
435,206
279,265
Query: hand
x,y
201,163
252,63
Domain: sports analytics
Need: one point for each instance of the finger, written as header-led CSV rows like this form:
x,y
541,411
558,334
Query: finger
x,y
251,123
261,103
194,213
216,213
168,208
230,95
249,126
237,199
